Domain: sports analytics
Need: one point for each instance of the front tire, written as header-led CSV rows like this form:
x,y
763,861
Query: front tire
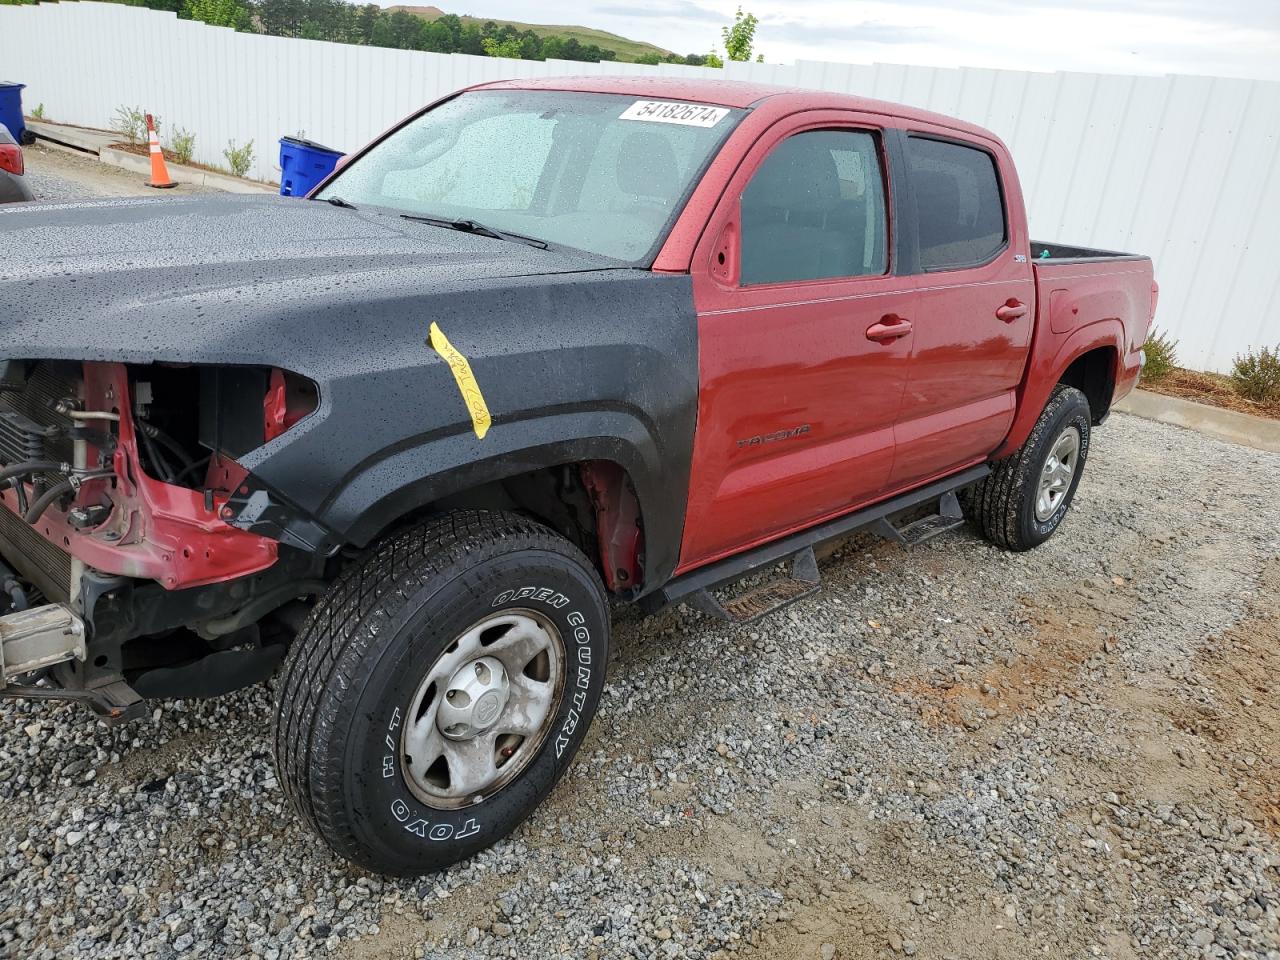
x,y
440,689
1025,498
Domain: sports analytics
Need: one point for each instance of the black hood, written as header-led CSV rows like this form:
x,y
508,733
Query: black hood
x,y
211,279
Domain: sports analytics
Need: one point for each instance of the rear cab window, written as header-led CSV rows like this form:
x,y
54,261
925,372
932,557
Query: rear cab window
x,y
959,209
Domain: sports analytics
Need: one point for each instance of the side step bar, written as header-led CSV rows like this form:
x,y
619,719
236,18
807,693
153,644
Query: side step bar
x,y
768,597
948,517
695,587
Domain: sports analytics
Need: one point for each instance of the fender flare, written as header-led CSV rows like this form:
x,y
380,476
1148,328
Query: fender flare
x,y
1043,375
410,477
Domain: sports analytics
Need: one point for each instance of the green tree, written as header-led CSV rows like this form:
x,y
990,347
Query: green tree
x,y
530,46
453,24
739,38
365,21
510,49
652,58
406,30
437,37
471,41
219,13
712,60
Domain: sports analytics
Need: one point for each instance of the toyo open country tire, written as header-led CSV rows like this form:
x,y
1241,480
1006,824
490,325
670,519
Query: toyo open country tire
x,y
1024,499
373,645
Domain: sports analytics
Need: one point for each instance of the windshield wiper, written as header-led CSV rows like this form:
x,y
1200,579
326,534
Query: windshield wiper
x,y
339,202
476,227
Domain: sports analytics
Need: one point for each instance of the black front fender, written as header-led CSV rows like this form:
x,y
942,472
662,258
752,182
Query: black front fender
x,y
596,366
419,475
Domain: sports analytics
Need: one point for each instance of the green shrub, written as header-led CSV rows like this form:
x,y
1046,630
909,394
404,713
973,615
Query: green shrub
x,y
239,159
131,123
38,112
183,145
1162,355
1256,376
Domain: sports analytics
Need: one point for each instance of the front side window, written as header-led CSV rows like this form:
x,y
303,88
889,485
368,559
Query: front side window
x,y
597,172
815,210
959,212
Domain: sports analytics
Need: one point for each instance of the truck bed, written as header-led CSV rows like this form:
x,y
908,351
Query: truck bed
x,y
1064,253
1086,299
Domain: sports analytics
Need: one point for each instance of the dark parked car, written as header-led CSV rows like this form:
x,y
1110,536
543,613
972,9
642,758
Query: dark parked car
x,y
13,182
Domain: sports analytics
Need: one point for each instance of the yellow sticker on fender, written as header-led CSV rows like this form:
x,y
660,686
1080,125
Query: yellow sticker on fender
x,y
467,385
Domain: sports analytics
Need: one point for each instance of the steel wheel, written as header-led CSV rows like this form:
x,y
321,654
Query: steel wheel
x,y
1058,471
483,709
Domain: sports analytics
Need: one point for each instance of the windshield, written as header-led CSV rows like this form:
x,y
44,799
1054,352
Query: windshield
x,y
597,172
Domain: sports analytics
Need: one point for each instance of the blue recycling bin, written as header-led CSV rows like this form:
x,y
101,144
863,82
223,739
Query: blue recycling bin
x,y
11,110
303,164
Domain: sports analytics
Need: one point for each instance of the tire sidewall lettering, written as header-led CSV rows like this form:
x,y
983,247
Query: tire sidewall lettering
x,y
571,609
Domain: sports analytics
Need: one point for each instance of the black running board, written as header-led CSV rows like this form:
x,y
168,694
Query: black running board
x,y
765,598
948,517
696,585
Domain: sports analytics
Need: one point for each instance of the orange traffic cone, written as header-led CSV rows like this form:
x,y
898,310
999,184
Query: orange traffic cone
x,y
159,172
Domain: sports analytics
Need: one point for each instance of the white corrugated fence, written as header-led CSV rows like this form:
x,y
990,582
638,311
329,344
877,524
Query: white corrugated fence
x,y
1183,168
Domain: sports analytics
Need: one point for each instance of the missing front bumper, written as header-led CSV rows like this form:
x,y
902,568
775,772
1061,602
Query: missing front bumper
x,y
45,642
38,638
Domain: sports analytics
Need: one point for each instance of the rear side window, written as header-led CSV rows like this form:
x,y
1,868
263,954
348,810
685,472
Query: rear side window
x,y
959,211
815,210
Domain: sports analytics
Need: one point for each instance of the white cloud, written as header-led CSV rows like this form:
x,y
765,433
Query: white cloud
x,y
1219,37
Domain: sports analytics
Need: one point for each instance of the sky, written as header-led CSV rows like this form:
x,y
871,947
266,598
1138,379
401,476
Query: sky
x,y
1229,38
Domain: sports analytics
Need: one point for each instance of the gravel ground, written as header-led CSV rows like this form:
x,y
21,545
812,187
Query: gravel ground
x,y
951,751
948,752
62,176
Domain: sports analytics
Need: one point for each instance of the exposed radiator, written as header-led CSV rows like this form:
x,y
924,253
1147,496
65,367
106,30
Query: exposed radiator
x,y
34,557
30,426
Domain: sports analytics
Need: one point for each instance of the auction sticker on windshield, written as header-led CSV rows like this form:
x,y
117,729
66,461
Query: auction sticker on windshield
x,y
689,114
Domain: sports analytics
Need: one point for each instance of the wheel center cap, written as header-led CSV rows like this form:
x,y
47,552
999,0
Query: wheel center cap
x,y
487,708
474,699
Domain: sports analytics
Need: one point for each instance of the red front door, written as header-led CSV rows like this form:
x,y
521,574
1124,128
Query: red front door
x,y
804,338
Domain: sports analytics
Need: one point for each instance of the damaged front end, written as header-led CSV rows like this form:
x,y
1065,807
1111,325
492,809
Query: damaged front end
x,y
123,575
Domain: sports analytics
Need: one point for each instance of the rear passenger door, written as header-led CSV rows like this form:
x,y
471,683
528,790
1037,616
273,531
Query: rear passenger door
x,y
974,310
804,337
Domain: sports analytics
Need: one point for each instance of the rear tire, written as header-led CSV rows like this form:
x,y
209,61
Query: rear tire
x,y
404,656
1025,498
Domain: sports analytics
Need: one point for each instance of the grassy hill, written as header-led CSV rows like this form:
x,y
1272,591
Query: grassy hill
x,y
627,50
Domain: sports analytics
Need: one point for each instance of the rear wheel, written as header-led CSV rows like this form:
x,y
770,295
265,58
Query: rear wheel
x,y
1025,498
440,689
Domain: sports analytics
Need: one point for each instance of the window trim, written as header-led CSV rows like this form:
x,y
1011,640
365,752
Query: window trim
x,y
879,136
918,269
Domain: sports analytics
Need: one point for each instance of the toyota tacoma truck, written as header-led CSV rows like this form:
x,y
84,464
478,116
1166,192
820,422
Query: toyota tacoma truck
x,y
543,346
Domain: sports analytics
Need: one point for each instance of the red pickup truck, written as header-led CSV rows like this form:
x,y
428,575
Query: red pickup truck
x,y
542,344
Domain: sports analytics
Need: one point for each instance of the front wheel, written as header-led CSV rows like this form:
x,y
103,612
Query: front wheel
x,y
440,689
1025,498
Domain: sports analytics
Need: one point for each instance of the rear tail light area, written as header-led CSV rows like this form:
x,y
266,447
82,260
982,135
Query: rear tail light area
x,y
1155,300
11,159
